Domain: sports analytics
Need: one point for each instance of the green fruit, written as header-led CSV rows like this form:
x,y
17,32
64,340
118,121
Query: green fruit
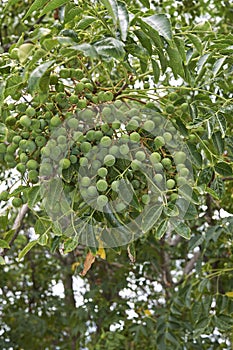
x,y
21,168
180,157
124,149
53,79
170,184
184,107
40,141
116,124
167,136
46,169
4,195
2,148
98,135
96,164
85,147
78,136
145,198
65,73
184,172
17,202
113,150
180,180
102,172
108,96
30,112
85,181
173,96
159,142
11,148
158,178
102,200
82,103
115,185
83,161
140,155
77,73
170,109
55,121
149,125
61,140
10,121
64,163
109,160
101,185
158,167
32,164
136,184
79,87
87,115
105,141
132,125
136,164
33,176
73,159
90,135
21,107
167,163
155,157
105,127
73,99
23,157
92,191
16,139
135,137
174,197
30,146
25,121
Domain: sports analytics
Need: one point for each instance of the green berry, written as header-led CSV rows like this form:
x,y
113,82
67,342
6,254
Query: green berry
x,y
149,125
102,200
184,107
30,112
4,195
124,149
10,121
65,73
105,141
32,164
113,150
158,178
25,121
180,157
101,185
17,202
92,191
170,184
79,87
159,142
46,169
102,172
83,161
155,157
85,147
140,155
135,137
170,109
33,176
64,163
55,121
116,124
21,168
85,181
132,125
109,160
167,163
145,198
167,136
115,185
173,96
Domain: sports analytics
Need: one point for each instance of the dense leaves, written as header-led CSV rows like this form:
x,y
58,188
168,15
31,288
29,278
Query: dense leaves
x,y
116,159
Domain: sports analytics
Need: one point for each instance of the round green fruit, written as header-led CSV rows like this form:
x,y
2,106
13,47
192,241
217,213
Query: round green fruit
x,y
30,112
132,125
82,103
73,99
145,198
170,184
181,180
64,163
158,167
55,121
113,150
21,168
101,185
10,121
170,109
102,200
184,172
158,178
159,142
155,157
46,169
61,140
135,137
17,202
167,136
77,73
124,149
25,121
4,195
184,107
167,163
115,185
92,191
85,181
33,176
180,157
149,125
140,155
109,160
116,124
65,73
85,147
79,87
173,96
102,172
16,139
105,141
32,164
136,164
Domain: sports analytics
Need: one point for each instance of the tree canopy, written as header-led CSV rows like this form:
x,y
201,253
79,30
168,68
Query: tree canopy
x,y
116,175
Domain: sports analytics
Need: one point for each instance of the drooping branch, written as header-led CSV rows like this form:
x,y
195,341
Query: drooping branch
x,y
17,226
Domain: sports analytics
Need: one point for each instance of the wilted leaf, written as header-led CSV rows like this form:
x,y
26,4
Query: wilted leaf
x,y
90,258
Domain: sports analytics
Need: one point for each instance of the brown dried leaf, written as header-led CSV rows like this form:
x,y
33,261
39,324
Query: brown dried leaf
x,y
90,258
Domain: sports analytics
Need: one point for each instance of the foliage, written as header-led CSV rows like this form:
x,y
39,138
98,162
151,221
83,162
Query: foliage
x,y
116,151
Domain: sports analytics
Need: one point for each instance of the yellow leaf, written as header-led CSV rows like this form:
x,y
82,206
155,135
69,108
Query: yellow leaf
x,y
229,294
101,253
75,265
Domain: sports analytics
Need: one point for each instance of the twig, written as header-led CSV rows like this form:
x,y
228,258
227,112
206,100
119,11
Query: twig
x,y
16,226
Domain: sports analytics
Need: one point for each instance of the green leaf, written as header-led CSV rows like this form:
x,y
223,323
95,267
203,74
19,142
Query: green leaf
x,y
223,169
123,18
196,41
144,40
87,49
175,61
85,22
52,5
4,244
161,230
205,176
187,192
3,132
150,217
201,62
2,261
171,210
217,65
156,70
36,5
218,187
37,74
111,6
26,249
110,48
218,142
182,229
33,196
145,3
43,239
43,225
161,24
222,123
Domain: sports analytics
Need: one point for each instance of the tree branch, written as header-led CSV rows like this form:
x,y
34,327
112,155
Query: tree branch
x,y
16,226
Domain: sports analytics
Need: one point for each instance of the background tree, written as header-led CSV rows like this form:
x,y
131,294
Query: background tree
x,y
116,151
